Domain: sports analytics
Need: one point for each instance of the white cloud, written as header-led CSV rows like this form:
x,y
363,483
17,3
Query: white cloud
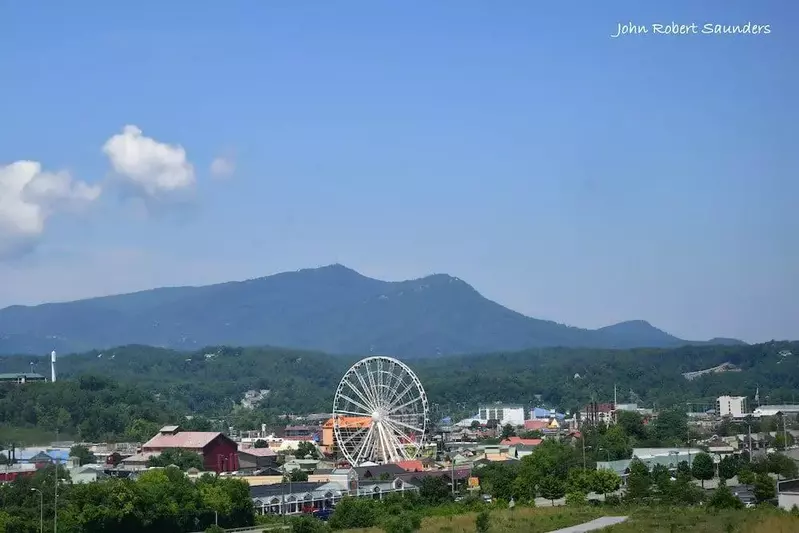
x,y
223,167
28,197
153,167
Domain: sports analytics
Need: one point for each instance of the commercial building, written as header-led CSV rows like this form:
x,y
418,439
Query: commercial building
x,y
219,452
21,377
788,494
734,406
772,410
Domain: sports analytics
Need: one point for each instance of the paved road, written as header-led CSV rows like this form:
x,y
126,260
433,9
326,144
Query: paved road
x,y
593,525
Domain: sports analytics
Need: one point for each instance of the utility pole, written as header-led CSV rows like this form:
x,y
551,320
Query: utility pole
x,y
615,402
583,436
452,480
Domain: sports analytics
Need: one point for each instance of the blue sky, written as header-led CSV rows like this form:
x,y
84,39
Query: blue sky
x,y
566,174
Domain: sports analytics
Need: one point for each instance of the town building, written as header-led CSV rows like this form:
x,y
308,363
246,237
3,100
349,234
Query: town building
x,y
788,494
348,425
772,410
733,406
314,496
301,432
219,452
22,377
595,413
252,459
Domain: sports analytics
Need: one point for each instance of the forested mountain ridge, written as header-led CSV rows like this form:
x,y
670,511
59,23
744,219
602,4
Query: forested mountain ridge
x,y
333,309
213,380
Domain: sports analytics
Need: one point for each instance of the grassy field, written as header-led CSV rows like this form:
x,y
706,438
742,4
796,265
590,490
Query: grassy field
x,y
700,520
527,520
641,520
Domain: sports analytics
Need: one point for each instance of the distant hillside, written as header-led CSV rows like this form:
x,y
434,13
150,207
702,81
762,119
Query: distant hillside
x,y
332,309
214,379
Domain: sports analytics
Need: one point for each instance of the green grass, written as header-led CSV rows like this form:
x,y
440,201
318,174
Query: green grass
x,y
521,519
641,520
701,520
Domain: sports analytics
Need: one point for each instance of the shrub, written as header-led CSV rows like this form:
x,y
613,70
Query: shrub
x,y
575,499
482,521
308,524
403,523
213,528
613,500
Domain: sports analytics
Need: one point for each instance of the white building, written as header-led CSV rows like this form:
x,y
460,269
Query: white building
x,y
734,406
772,410
788,494
503,414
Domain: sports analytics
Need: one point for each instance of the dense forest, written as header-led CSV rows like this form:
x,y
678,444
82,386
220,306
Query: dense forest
x,y
212,381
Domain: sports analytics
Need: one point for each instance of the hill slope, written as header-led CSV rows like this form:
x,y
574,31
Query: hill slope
x,y
333,309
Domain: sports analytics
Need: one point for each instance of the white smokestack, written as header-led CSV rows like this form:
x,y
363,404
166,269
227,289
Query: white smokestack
x,y
52,366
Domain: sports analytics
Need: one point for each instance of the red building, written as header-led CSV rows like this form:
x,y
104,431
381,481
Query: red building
x,y
219,453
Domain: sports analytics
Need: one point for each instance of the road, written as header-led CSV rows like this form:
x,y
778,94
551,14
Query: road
x,y
593,525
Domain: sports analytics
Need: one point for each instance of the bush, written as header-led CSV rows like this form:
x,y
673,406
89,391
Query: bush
x,y
482,521
354,513
403,523
575,499
613,500
308,524
213,528
723,498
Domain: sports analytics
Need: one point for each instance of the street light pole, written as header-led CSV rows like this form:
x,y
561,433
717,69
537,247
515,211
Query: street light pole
x,y
41,509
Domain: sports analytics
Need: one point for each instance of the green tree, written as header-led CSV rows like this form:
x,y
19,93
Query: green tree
x,y
354,513
576,499
434,489
604,481
508,431
260,443
296,476
616,442
723,498
764,488
580,480
746,476
638,481
552,488
702,468
728,467
306,450
782,465
82,453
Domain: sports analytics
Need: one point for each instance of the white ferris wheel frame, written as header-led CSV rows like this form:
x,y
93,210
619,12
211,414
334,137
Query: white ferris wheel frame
x,y
386,438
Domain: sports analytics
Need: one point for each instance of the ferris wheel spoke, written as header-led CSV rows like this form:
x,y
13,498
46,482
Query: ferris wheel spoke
x,y
363,445
354,402
396,444
412,428
399,433
366,389
399,397
360,395
351,437
353,413
392,395
406,404
370,376
384,443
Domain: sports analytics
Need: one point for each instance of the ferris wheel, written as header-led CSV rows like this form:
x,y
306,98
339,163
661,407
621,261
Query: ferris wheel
x,y
380,412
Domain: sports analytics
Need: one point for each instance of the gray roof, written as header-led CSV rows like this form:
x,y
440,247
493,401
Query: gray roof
x,y
18,375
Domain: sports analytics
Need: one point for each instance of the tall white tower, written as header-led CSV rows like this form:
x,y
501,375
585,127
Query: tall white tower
x,y
52,366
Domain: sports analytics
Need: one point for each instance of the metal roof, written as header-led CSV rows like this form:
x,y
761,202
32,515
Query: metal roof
x,y
18,375
188,440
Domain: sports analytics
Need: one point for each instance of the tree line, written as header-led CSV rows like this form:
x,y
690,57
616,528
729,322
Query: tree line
x,y
158,500
212,382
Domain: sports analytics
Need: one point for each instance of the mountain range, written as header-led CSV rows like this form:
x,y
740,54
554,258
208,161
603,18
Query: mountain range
x,y
332,309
